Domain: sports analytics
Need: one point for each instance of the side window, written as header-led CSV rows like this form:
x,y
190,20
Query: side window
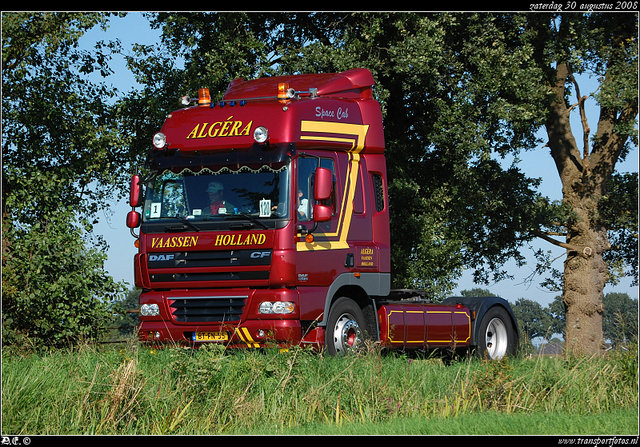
x,y
358,198
378,189
328,163
304,196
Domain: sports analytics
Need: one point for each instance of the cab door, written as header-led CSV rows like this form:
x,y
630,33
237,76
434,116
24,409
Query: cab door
x,y
318,259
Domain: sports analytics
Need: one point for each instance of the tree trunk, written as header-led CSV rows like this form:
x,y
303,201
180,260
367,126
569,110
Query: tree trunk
x,y
585,272
585,275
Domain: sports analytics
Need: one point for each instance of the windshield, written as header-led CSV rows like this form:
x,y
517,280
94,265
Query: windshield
x,y
250,191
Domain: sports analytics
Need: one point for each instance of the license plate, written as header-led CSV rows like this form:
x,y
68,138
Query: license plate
x,y
210,336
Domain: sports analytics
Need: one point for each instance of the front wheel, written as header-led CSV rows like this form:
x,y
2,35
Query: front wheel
x,y
345,331
496,335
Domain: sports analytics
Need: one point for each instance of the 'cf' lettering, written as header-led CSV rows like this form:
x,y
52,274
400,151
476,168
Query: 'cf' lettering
x,y
260,254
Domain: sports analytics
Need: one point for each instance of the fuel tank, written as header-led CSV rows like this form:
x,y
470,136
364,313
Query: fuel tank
x,y
424,325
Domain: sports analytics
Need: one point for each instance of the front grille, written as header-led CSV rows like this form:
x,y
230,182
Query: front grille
x,y
223,265
208,309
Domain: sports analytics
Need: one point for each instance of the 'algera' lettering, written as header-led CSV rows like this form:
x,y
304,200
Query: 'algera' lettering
x,y
228,128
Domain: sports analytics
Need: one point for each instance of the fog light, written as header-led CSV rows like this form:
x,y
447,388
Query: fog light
x,y
264,333
149,310
276,307
153,335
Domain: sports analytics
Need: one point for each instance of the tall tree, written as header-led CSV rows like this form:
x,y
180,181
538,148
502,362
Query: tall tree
x,y
63,156
605,45
432,112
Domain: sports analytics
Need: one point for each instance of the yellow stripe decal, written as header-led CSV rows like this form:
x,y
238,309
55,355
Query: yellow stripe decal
x,y
348,133
244,335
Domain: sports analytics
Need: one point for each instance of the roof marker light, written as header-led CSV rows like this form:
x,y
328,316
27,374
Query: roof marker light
x,y
284,92
204,98
283,87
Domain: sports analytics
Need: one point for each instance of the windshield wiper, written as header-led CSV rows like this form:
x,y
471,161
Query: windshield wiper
x,y
252,219
186,224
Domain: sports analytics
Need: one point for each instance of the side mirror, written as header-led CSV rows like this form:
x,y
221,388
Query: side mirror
x,y
133,219
322,184
321,213
135,195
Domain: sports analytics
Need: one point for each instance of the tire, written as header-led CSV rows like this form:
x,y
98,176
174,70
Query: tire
x,y
496,335
345,331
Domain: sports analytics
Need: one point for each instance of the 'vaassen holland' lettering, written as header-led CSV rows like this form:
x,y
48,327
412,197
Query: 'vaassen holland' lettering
x,y
240,239
174,242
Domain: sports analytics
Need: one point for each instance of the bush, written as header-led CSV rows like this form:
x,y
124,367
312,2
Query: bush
x,y
54,288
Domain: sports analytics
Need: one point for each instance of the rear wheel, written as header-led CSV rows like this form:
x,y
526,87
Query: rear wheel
x,y
496,337
345,332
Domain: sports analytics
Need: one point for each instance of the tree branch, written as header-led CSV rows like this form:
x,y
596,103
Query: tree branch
x,y
551,240
563,146
585,125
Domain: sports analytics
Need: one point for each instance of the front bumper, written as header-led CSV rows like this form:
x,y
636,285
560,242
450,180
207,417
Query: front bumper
x,y
227,316
248,334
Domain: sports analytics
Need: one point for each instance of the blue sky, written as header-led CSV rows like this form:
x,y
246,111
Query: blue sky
x,y
135,29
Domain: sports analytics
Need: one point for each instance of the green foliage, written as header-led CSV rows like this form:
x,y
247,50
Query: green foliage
x,y
557,310
125,320
619,214
456,93
620,318
459,92
533,319
54,288
477,291
61,144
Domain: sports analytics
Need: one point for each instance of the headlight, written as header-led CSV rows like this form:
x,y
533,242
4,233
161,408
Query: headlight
x,y
276,307
149,310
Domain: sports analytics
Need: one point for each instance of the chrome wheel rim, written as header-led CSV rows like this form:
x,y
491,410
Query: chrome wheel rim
x,y
346,334
497,339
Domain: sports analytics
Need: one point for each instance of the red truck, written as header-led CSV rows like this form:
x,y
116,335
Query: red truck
x,y
265,222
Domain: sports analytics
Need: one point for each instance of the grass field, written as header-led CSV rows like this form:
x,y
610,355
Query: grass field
x,y
133,389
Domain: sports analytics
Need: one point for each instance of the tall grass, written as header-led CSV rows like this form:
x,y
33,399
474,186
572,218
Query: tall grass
x,y
138,390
